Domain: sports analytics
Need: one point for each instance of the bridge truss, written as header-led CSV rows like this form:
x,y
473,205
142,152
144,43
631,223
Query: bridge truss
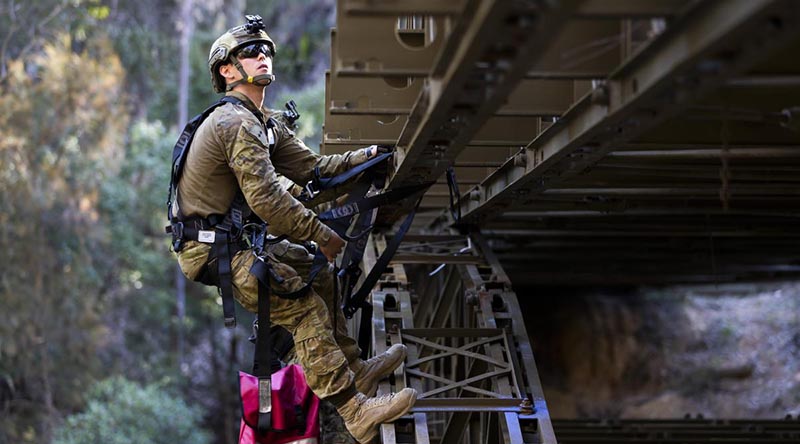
x,y
594,142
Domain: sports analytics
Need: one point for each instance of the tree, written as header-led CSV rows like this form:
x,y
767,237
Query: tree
x,y
122,412
60,128
89,89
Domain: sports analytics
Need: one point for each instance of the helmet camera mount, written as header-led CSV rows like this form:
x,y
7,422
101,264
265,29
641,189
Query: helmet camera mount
x,y
254,24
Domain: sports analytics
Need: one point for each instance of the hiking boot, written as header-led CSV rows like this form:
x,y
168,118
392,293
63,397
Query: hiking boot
x,y
363,415
369,372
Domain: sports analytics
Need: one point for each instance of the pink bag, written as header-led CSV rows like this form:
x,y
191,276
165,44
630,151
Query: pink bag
x,y
295,409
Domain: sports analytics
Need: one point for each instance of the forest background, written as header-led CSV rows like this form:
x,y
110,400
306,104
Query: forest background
x,y
99,339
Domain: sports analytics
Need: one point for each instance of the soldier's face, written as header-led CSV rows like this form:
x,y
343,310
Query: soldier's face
x,y
256,59
254,63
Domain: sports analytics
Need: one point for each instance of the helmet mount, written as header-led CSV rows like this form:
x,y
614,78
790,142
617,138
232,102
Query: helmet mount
x,y
254,24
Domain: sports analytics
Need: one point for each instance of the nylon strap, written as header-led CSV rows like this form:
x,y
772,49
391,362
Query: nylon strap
x,y
351,260
371,202
365,331
262,363
358,299
181,148
322,184
455,195
225,278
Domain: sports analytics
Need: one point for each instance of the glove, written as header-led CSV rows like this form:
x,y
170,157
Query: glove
x,y
375,150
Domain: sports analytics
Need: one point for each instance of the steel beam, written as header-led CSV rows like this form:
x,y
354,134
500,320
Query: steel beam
x,y
401,7
490,318
375,43
479,352
640,233
698,53
486,56
615,9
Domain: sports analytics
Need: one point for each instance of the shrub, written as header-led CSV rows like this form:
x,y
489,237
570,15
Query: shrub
x,y
122,412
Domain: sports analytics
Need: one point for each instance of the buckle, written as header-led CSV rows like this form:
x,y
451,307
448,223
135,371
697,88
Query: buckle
x,y
177,230
254,335
264,395
310,190
177,236
236,217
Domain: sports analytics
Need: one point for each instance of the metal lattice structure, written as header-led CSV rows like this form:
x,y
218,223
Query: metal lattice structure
x,y
595,142
469,354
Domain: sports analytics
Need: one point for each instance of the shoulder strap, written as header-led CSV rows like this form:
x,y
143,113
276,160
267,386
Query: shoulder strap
x,y
181,148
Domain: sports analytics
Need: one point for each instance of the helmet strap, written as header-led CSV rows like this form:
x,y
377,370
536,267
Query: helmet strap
x,y
259,80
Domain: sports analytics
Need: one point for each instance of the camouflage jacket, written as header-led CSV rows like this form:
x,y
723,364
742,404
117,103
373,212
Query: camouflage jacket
x,y
231,151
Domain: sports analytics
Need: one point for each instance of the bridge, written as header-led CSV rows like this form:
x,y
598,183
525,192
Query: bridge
x,y
596,142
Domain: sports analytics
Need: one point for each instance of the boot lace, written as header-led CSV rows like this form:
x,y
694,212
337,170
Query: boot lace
x,y
378,401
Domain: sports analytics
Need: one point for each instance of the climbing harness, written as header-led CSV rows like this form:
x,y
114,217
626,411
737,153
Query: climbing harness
x,y
239,229
223,232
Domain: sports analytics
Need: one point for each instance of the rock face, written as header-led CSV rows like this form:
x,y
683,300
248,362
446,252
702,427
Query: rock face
x,y
666,405
720,352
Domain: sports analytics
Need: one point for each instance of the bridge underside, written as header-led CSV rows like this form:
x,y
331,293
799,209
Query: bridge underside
x,y
594,143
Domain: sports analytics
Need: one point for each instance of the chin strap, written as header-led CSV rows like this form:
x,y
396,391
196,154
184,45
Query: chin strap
x,y
260,80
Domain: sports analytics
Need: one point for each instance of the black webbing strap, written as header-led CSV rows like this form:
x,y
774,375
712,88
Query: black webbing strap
x,y
223,252
365,330
181,148
455,195
319,184
340,225
330,218
358,300
371,202
262,362
351,260
227,232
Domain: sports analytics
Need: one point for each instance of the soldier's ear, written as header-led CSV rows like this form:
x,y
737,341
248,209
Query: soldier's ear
x,y
226,70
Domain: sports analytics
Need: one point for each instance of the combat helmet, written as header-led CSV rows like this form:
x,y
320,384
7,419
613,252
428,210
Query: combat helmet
x,y
226,45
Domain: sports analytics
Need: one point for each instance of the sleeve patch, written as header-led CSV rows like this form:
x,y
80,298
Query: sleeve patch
x,y
257,131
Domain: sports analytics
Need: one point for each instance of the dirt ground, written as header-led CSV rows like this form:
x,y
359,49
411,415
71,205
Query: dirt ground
x,y
727,351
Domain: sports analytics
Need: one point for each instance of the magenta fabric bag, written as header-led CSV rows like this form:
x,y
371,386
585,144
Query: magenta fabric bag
x,y
295,409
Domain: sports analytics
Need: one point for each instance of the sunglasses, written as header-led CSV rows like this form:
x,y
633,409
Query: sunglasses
x,y
253,50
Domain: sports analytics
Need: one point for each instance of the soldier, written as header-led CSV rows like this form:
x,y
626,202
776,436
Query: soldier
x,y
232,151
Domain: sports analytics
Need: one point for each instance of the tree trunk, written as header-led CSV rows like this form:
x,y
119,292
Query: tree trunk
x,y
186,23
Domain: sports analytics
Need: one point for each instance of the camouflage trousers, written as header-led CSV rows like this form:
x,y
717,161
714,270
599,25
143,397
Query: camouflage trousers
x,y
323,353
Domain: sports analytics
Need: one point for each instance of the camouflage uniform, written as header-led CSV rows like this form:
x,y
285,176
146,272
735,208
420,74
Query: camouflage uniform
x,y
231,151
298,258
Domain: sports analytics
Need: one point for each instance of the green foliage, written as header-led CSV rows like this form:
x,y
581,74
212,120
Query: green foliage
x,y
131,206
201,93
145,37
310,104
89,92
122,412
26,25
132,199
54,293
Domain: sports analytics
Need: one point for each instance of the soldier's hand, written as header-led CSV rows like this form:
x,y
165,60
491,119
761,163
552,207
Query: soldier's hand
x,y
333,247
374,150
